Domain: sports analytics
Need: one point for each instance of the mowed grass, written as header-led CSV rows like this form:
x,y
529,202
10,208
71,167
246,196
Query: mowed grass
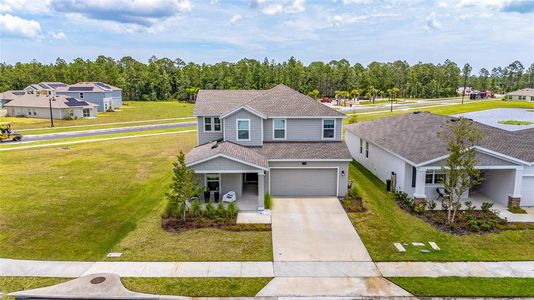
x,y
385,223
198,287
130,111
466,286
78,204
194,287
449,109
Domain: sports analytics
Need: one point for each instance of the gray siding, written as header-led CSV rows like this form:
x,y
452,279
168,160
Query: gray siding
x,y
96,98
232,182
221,163
230,128
302,129
205,137
343,167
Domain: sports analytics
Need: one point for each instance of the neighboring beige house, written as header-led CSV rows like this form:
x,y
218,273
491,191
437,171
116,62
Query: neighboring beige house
x,y
7,96
38,106
524,94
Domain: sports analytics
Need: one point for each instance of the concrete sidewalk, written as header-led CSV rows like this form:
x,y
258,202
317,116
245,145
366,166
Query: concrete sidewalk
x,y
14,267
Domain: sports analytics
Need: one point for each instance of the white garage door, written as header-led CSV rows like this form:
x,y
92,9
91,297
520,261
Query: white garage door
x,y
527,195
303,182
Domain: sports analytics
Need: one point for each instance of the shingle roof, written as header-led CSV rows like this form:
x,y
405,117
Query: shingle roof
x,y
280,101
88,87
10,95
213,149
31,100
305,150
414,137
522,92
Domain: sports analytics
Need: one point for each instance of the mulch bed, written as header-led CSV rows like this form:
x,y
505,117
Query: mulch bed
x,y
353,205
178,225
437,218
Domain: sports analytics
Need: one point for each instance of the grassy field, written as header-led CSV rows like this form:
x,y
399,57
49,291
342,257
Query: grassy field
x,y
385,223
78,204
447,109
214,287
466,286
77,140
131,111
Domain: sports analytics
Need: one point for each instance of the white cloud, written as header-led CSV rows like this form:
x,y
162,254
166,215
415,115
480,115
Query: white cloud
x,y
353,1
19,27
432,22
138,12
443,4
235,18
27,6
58,35
274,7
339,20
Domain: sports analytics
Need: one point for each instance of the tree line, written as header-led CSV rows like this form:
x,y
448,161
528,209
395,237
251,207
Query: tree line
x,y
166,79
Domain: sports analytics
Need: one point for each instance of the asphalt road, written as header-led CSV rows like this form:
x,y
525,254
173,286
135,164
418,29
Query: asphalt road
x,y
83,133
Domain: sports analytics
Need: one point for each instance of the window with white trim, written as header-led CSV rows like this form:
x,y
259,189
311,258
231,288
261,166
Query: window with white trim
x,y
329,128
212,124
367,149
434,177
81,95
279,129
86,112
243,130
361,146
213,182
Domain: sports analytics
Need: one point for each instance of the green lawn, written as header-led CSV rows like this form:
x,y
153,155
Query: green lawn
x,y
385,223
67,141
208,287
196,287
79,204
131,111
448,109
466,286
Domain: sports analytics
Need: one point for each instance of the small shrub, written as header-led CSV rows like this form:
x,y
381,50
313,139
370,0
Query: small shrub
x,y
474,227
486,206
469,218
232,210
517,210
353,194
470,208
352,119
220,212
196,208
420,207
209,210
485,227
432,205
268,201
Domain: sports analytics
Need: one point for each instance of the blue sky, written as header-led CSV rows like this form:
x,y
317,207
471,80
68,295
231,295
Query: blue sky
x,y
485,33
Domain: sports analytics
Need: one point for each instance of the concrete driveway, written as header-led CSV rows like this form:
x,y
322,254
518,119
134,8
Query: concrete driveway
x,y
314,230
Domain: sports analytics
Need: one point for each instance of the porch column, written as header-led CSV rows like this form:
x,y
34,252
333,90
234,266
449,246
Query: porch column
x,y
419,194
514,199
261,190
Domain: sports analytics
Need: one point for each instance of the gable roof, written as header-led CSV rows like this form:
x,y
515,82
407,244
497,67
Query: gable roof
x,y
280,101
10,95
522,92
413,137
31,100
88,87
226,149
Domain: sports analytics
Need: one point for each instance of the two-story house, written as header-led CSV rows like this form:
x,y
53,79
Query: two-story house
x,y
104,95
276,141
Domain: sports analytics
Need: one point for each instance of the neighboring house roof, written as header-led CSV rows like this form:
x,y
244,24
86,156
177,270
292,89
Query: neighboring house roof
x,y
305,150
88,87
30,100
522,92
280,101
46,85
10,95
414,137
226,149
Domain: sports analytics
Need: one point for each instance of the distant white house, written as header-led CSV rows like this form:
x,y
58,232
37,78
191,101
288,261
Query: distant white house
x,y
524,94
104,95
45,88
38,106
7,96
468,90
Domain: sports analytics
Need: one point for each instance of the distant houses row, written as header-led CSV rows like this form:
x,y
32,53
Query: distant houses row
x,y
80,100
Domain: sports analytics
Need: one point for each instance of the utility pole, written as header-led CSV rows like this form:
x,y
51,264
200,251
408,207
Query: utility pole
x,y
50,106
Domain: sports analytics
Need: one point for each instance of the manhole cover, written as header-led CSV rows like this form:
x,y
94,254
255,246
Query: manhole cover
x,y
98,280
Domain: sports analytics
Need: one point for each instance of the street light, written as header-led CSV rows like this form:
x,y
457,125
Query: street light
x,y
50,106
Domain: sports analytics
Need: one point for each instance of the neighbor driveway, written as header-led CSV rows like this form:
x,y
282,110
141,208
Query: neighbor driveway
x,y
314,230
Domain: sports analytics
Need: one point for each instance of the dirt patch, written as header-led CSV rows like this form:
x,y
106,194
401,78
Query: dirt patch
x,y
179,225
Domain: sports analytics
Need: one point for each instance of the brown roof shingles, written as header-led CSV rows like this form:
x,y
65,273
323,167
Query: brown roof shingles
x,y
305,150
413,136
280,101
213,149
